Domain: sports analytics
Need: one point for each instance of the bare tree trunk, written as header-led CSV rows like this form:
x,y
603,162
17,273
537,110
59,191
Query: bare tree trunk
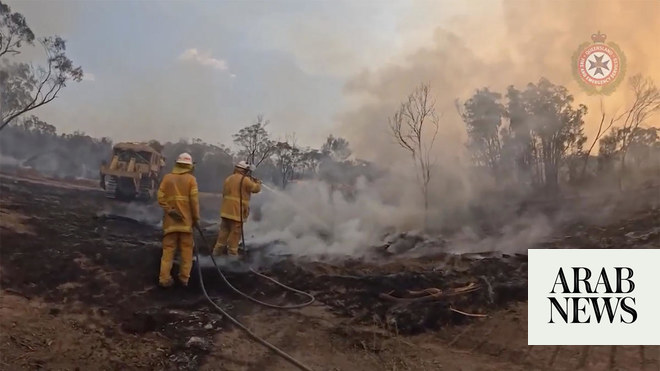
x,y
647,102
426,206
622,171
600,133
409,129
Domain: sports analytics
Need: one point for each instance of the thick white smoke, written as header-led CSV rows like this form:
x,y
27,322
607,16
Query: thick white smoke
x,y
311,219
520,44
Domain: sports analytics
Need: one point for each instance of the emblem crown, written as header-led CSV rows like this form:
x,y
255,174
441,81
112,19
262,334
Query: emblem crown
x,y
598,37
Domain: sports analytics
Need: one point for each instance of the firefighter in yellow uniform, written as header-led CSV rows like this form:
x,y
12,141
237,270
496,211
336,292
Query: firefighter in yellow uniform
x,y
237,188
178,196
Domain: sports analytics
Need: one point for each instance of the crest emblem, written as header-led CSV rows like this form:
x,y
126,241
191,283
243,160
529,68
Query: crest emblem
x,y
599,67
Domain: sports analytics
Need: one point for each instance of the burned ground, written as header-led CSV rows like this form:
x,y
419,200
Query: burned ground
x,y
64,251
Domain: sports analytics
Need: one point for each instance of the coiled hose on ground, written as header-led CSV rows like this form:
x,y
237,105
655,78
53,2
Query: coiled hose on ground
x,y
232,319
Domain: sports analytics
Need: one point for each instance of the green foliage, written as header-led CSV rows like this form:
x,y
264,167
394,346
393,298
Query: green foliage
x,y
14,31
287,158
212,162
36,143
254,142
337,148
643,144
543,133
24,87
483,115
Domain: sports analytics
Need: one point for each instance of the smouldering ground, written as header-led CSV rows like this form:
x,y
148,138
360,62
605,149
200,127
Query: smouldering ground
x,y
78,290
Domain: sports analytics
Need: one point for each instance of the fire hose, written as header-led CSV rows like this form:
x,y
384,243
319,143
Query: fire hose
x,y
226,281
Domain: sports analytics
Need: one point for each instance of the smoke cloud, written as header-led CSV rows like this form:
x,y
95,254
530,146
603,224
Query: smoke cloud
x,y
493,44
517,43
311,219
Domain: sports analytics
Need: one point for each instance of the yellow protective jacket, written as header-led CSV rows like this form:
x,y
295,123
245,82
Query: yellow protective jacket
x,y
231,196
178,191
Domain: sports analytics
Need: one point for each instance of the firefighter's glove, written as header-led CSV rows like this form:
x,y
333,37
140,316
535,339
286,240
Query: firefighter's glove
x,y
174,214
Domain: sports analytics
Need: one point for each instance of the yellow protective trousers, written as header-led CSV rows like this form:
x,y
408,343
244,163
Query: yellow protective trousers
x,y
229,236
184,241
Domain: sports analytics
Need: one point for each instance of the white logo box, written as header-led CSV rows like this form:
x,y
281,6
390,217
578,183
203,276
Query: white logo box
x,y
544,265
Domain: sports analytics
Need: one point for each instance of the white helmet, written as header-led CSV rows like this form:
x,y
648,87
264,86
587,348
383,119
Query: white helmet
x,y
184,158
244,166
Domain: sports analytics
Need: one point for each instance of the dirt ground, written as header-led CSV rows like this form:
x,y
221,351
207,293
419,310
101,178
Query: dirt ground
x,y
78,292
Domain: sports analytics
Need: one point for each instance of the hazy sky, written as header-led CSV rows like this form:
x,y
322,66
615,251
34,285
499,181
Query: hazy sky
x,y
185,69
204,69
